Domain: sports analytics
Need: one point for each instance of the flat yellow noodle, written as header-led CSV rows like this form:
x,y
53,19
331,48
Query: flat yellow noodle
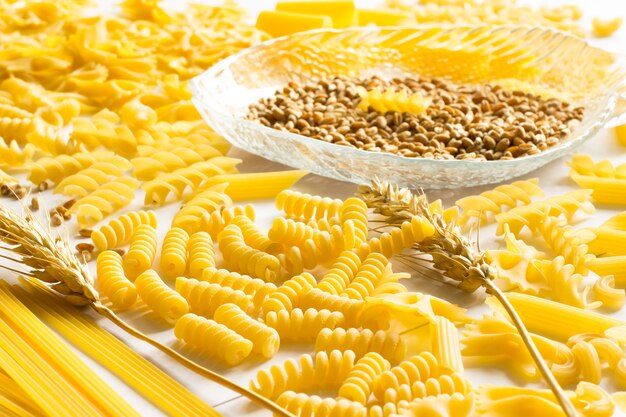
x,y
59,356
148,380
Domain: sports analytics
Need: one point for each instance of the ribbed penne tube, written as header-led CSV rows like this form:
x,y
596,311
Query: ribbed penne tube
x,y
560,321
608,241
605,190
610,265
445,344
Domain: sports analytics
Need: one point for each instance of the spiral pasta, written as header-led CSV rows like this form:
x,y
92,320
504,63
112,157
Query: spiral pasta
x,y
390,100
112,282
105,200
174,253
403,237
354,223
389,344
417,368
256,288
190,216
213,338
143,246
302,326
338,277
443,384
215,221
252,235
244,258
328,371
204,298
568,242
88,179
604,291
589,362
201,254
147,168
265,339
560,282
56,168
119,231
359,381
307,207
289,295
318,299
373,274
303,405
165,302
13,155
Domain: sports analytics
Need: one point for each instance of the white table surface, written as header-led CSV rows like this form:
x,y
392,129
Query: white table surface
x,y
553,179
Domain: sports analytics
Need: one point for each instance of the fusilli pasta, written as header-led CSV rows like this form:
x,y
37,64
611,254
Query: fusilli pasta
x,y
161,299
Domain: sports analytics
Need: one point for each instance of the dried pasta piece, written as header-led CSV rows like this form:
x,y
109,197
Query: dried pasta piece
x,y
289,295
608,242
390,100
303,326
142,251
306,207
605,190
416,368
390,345
252,235
204,298
353,216
190,216
610,265
13,155
318,299
112,282
359,381
604,291
213,338
403,237
88,180
338,277
165,302
56,168
304,405
217,220
446,347
568,242
265,339
605,28
374,277
256,288
431,387
201,254
589,362
174,253
444,405
119,231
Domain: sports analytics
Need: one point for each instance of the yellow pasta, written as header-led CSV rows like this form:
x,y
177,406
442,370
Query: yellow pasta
x,y
140,256
56,168
213,338
265,339
390,345
318,299
353,217
174,253
119,231
289,295
610,265
568,242
201,254
256,288
215,221
204,298
88,179
608,242
14,401
605,28
390,100
416,368
303,326
446,346
112,282
305,207
252,235
313,405
359,381
620,133
431,387
165,302
338,277
604,291
13,155
190,216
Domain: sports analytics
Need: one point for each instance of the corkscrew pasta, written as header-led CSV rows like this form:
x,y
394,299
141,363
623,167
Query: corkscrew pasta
x,y
174,253
393,242
165,302
304,405
353,217
204,298
431,387
201,254
256,288
568,242
112,282
390,345
303,326
88,179
140,256
217,220
305,207
289,295
119,231
339,276
359,381
416,368
316,298
390,100
190,216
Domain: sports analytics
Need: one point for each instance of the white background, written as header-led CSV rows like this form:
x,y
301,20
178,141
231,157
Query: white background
x,y
553,180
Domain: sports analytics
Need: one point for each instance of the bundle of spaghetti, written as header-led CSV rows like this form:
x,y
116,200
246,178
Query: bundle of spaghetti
x,y
304,405
190,216
303,326
403,237
328,371
104,201
256,288
140,374
255,185
142,251
610,265
66,370
354,222
119,230
204,298
391,100
213,339
201,253
88,179
13,155
112,281
179,180
14,401
305,207
608,241
566,205
340,275
56,168
164,301
443,384
252,234
445,344
416,368
265,339
568,242
494,201
318,299
560,321
605,292
358,383
389,344
289,295
245,259
217,220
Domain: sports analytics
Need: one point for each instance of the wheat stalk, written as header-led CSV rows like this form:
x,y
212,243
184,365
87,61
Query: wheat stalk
x,y
456,257
52,262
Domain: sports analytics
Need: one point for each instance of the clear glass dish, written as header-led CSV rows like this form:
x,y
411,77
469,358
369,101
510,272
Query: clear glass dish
x,y
536,58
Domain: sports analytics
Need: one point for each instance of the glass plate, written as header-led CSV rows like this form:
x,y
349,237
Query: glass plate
x,y
535,58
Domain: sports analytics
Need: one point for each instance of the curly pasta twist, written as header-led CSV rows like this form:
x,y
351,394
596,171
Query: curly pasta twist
x,y
111,280
56,168
204,298
339,276
494,201
265,340
217,220
142,251
417,368
17,128
328,371
374,272
307,207
290,232
119,231
318,299
252,235
105,200
444,384
88,179
289,295
302,326
174,253
256,288
201,253
11,111
353,216
190,216
321,248
390,345
244,258
568,242
589,362
561,282
165,302
147,168
13,155
605,292
403,237
303,405
213,338
358,384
